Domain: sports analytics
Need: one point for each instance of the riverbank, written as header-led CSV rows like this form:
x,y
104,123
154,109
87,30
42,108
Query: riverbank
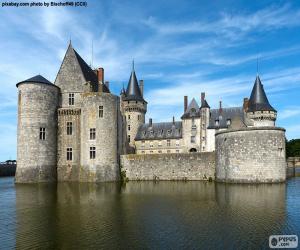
x,y
7,170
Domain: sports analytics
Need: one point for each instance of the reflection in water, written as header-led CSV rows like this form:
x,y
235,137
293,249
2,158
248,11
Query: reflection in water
x,y
149,215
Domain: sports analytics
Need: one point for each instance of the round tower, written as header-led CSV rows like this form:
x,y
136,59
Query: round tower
x,y
37,130
100,134
134,107
259,109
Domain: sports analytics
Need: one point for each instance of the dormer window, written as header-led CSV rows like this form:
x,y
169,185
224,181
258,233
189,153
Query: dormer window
x,y
217,122
228,122
193,111
169,132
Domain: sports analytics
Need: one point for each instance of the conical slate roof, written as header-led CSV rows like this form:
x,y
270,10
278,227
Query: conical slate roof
x,y
133,92
204,104
37,79
258,100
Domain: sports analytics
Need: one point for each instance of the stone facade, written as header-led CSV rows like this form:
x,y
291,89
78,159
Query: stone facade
x,y
251,155
76,130
196,166
36,152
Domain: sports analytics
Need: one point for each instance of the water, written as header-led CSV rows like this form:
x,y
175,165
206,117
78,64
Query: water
x,y
146,215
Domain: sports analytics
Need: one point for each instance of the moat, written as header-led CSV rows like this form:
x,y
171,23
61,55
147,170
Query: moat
x,y
146,215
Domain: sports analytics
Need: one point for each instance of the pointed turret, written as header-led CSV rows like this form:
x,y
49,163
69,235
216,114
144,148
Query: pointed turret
x,y
133,92
258,100
133,108
258,107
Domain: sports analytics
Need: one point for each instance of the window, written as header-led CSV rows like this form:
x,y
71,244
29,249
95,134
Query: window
x,y
42,134
192,139
169,132
71,98
100,111
168,151
92,133
159,144
151,151
203,138
143,144
159,151
69,128
143,152
128,117
151,144
69,154
177,151
128,127
139,117
92,152
168,143
128,138
228,122
177,143
217,122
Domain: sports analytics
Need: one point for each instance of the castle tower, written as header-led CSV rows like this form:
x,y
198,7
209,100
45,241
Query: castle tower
x,y
37,130
191,126
88,123
134,107
258,108
204,113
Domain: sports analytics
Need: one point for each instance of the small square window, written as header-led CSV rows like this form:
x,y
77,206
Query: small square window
x,y
128,138
128,127
193,139
168,143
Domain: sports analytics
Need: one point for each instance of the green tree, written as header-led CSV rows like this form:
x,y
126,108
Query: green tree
x,y
293,148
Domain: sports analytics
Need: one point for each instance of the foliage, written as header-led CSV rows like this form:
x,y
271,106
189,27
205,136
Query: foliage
x,y
293,148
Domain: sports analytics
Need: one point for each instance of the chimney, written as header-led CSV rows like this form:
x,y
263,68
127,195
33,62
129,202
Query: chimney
x,y
173,120
220,108
100,75
185,102
202,98
150,122
246,104
142,87
107,84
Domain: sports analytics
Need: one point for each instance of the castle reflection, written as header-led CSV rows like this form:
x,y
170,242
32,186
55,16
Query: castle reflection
x,y
148,215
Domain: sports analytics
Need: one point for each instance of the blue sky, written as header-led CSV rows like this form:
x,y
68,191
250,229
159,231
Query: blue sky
x,y
179,47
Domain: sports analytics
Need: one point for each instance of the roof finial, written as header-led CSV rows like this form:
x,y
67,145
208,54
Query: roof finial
x,y
133,65
70,42
257,66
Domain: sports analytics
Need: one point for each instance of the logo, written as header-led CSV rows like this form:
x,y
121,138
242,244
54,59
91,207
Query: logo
x,y
283,241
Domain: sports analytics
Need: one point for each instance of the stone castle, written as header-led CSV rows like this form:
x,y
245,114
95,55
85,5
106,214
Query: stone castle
x,y
77,130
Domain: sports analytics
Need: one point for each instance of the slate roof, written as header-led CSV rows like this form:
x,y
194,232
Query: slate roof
x,y
159,131
192,106
204,104
37,79
133,92
224,115
258,100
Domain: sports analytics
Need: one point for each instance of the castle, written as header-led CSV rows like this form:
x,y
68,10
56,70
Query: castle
x,y
77,130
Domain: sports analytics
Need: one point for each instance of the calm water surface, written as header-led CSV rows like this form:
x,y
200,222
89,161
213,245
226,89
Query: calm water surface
x,y
147,215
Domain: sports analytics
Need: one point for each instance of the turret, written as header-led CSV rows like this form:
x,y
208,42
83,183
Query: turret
x,y
134,106
37,130
204,112
258,107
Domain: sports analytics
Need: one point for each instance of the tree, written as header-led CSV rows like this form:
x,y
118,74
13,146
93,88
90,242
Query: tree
x,y
293,148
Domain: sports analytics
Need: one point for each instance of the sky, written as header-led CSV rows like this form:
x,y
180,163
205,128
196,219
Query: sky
x,y
179,48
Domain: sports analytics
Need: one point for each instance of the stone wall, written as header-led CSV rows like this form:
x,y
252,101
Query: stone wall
x,y
37,107
251,155
195,166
